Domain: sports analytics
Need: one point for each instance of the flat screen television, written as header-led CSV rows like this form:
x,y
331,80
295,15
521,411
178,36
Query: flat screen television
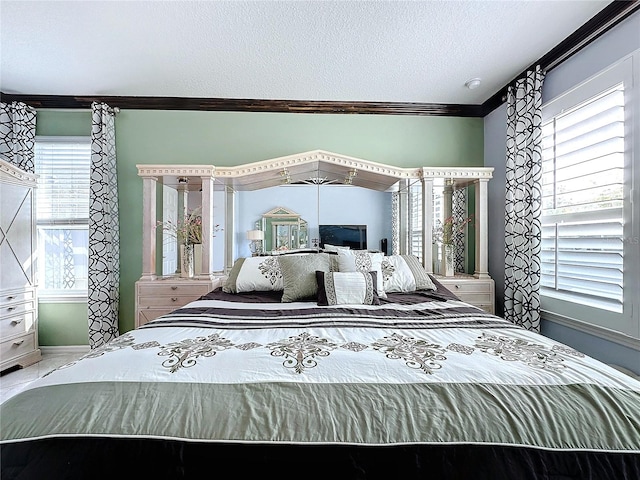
x,y
352,236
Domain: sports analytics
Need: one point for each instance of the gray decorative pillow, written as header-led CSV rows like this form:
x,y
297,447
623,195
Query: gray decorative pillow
x,y
299,275
254,274
405,273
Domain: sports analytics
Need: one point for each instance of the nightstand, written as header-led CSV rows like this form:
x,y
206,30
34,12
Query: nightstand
x,y
476,291
158,297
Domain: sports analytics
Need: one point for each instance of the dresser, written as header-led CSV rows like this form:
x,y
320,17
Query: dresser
x,y
476,291
161,296
18,296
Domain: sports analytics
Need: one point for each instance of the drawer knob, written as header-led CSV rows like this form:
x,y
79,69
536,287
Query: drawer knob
x,y
11,308
16,322
18,343
174,287
174,299
457,286
11,297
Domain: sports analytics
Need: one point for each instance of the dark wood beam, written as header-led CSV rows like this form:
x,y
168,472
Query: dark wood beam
x,y
248,105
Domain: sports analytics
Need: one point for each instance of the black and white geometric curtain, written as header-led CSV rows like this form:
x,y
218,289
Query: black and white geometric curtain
x,y
459,214
104,240
18,135
523,201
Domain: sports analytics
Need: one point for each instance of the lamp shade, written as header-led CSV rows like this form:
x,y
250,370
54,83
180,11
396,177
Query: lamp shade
x,y
255,235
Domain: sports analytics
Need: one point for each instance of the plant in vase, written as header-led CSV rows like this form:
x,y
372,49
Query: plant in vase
x,y
188,232
444,234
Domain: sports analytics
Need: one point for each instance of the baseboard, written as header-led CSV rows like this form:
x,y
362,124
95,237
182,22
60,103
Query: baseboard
x,y
65,349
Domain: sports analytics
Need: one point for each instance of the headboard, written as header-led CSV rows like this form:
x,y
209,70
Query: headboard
x,y
314,167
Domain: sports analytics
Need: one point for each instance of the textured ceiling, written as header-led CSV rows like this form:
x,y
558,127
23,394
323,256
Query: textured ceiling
x,y
377,51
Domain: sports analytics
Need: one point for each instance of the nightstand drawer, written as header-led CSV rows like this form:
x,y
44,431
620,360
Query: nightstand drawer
x,y
161,289
174,301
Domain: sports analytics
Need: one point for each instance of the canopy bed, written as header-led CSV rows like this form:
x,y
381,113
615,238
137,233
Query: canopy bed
x,y
344,364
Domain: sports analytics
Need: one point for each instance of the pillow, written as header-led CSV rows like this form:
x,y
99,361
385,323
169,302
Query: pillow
x,y
299,275
334,248
347,288
363,261
254,274
405,273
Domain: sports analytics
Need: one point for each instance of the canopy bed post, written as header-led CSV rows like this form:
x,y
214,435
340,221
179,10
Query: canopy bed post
x,y
482,234
149,184
207,226
427,222
229,229
403,224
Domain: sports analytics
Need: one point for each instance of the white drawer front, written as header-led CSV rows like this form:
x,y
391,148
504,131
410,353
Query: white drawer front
x,y
10,310
16,296
17,324
159,289
16,347
174,301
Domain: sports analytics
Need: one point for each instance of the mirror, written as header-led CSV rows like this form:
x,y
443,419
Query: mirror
x,y
283,229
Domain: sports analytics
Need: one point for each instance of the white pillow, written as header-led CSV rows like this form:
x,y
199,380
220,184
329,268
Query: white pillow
x,y
405,273
254,274
363,261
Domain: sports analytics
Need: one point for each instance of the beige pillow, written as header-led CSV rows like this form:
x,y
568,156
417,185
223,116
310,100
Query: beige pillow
x,y
299,275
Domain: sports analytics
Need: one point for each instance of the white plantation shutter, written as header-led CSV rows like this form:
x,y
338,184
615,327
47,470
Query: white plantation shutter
x,y
582,216
63,166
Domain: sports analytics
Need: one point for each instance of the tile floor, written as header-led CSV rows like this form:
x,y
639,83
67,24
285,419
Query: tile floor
x,y
13,381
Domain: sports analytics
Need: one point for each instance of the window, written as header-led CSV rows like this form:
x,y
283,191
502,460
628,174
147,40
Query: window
x,y
587,261
62,215
415,220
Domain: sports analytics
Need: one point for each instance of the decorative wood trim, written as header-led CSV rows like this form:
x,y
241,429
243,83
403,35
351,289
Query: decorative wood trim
x,y
248,105
178,171
13,174
601,23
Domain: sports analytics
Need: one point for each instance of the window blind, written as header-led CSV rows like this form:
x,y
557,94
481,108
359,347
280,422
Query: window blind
x,y
64,173
582,201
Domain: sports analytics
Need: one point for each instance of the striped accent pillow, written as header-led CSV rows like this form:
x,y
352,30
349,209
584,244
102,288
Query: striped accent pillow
x,y
347,288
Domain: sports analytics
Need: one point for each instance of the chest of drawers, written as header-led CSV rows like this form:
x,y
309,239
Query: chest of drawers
x,y
476,291
158,297
18,328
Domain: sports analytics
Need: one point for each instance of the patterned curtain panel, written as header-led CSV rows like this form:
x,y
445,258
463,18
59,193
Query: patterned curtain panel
x,y
104,241
523,201
18,134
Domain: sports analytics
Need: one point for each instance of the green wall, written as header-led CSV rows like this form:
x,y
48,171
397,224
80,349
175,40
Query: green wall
x,y
233,138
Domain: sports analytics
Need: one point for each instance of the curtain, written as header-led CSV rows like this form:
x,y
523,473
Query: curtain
x,y
18,135
523,201
104,242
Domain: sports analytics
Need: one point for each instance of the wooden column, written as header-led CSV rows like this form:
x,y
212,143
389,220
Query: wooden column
x,y
207,227
482,234
427,224
149,220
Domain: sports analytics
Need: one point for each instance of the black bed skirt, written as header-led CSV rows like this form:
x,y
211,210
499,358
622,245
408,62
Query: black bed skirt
x,y
91,458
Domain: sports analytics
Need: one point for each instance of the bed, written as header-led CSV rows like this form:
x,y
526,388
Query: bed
x,y
264,379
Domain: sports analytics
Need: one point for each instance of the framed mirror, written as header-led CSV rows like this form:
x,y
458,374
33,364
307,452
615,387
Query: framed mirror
x,y
283,229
